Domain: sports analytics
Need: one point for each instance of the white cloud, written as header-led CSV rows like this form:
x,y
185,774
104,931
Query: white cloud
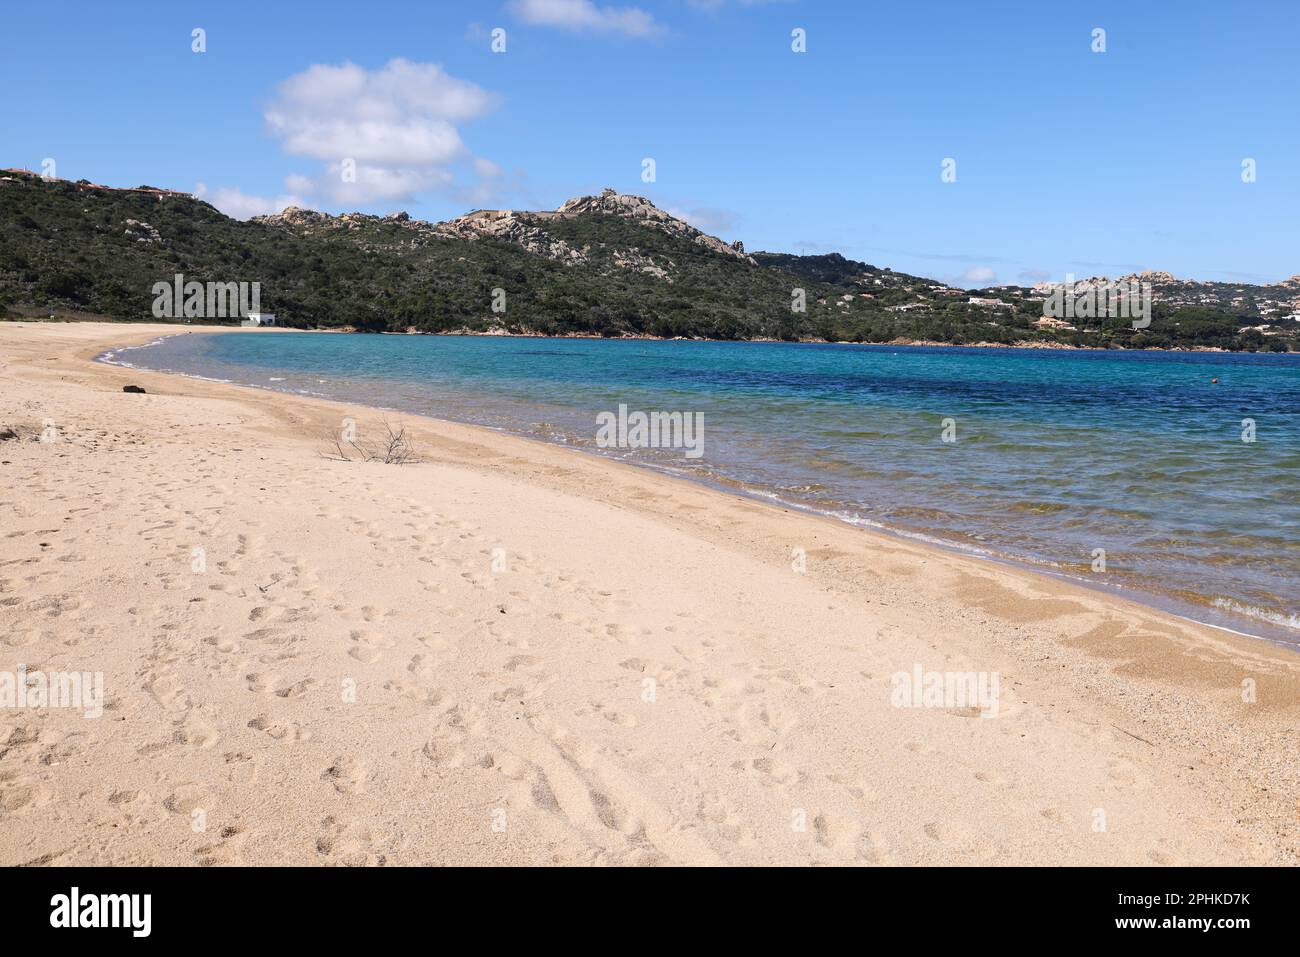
x,y
376,183
411,143
494,188
706,219
297,183
237,204
713,6
978,276
396,125
586,15
486,168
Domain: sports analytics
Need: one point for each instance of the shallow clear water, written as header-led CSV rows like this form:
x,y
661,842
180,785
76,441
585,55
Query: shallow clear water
x,y
1056,453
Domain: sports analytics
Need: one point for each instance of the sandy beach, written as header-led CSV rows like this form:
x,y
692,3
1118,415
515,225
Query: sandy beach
x,y
514,653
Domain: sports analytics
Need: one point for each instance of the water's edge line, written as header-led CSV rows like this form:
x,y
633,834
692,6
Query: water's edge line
x,y
1144,599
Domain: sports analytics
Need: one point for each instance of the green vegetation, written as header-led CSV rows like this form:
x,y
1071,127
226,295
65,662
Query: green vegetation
x,y
68,248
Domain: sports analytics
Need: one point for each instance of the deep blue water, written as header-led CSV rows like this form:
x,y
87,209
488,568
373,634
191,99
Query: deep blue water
x,y
1056,453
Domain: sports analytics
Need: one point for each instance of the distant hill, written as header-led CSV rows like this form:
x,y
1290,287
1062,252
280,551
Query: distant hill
x,y
607,265
835,269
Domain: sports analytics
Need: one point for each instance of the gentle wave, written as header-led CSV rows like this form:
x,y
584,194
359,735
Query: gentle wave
x,y
1280,618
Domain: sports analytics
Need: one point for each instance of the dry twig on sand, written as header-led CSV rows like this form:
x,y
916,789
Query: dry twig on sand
x,y
393,447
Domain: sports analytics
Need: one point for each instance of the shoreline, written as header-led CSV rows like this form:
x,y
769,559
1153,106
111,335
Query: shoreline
x,y
1268,631
895,343
774,683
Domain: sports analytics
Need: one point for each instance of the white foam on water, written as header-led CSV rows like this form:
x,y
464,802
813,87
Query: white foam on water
x,y
1280,619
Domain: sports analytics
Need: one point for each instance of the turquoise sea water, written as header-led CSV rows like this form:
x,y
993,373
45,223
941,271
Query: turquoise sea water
x,y
1056,453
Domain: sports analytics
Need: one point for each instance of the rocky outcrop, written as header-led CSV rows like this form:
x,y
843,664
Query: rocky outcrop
x,y
614,203
1153,277
142,232
508,226
633,259
527,229
294,216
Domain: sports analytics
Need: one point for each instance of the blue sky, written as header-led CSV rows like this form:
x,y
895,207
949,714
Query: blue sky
x,y
1067,161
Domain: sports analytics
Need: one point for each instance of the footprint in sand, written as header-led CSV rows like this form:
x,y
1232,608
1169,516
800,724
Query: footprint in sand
x,y
196,733
280,730
366,646
612,716
348,842
168,691
348,775
296,689
24,793
186,799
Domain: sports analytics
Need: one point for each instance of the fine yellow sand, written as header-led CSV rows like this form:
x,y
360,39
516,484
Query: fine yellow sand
x,y
514,653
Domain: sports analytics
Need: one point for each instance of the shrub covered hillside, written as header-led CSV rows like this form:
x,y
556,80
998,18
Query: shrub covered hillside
x,y
609,265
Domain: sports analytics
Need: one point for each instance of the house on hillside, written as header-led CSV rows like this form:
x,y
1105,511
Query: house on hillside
x,y
259,319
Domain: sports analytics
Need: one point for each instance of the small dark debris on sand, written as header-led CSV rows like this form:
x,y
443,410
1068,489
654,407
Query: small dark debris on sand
x,y
133,388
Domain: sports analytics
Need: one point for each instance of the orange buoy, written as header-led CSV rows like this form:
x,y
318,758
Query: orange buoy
x,y
1214,382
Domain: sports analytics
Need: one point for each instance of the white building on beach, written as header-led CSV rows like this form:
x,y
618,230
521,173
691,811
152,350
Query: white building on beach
x,y
259,319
